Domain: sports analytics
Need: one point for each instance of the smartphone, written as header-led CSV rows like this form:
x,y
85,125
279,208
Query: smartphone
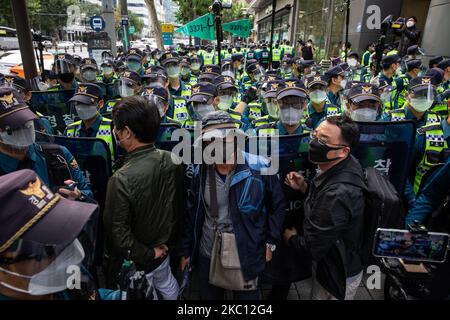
x,y
402,244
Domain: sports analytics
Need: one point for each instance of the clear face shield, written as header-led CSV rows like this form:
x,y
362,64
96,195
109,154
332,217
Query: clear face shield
x,y
124,88
62,66
366,111
291,109
422,100
272,107
19,138
89,74
160,103
40,269
185,70
227,97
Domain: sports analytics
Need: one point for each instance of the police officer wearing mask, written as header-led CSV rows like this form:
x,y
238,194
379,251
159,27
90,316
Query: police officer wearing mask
x,y
203,101
287,69
87,103
107,75
134,61
418,102
159,94
64,68
270,104
391,73
209,73
18,149
195,66
39,247
336,83
238,65
227,91
318,107
292,100
88,70
129,84
364,103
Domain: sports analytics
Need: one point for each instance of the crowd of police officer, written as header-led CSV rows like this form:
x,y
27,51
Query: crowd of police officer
x,y
188,84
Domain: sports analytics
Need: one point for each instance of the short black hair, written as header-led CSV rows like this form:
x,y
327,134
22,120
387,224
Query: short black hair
x,y
140,115
349,129
414,18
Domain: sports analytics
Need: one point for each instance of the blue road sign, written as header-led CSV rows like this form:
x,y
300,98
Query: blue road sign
x,y
97,23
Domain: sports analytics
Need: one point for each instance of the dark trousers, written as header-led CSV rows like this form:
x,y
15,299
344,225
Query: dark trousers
x,y
279,292
210,292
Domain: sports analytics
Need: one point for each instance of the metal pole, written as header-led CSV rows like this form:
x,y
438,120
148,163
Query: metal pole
x,y
347,22
274,6
108,15
20,13
218,36
329,27
124,14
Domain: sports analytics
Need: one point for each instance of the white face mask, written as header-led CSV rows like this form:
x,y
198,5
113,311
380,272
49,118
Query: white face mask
x,y
410,24
202,110
86,112
291,116
421,104
19,138
173,72
185,71
257,77
89,75
318,96
364,114
107,70
352,62
195,66
343,83
225,102
272,109
54,277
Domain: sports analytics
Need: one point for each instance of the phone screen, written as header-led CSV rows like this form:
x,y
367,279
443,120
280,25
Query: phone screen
x,y
402,244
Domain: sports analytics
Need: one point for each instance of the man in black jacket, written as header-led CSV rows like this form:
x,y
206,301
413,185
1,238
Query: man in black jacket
x,y
409,35
334,210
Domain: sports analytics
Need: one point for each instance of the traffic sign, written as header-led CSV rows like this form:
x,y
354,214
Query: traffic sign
x,y
167,27
167,38
124,21
97,23
132,29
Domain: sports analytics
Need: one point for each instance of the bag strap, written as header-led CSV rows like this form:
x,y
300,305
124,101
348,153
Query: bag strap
x,y
213,206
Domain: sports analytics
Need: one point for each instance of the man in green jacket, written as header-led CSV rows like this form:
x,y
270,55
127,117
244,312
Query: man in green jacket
x,y
144,199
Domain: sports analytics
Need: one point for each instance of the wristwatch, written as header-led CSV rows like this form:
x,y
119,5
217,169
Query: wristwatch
x,y
272,247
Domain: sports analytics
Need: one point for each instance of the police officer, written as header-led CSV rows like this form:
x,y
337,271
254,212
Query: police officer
x,y
287,68
129,84
18,149
276,56
203,101
155,74
251,54
87,102
336,83
418,102
227,91
288,50
157,92
209,73
209,56
107,75
413,70
64,68
305,68
390,74
185,73
319,108
134,60
270,105
365,60
292,100
88,70
196,64
237,60
364,103
264,57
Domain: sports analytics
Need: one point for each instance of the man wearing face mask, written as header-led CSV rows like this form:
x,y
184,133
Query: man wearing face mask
x,y
355,69
292,99
270,104
409,35
365,60
227,91
129,84
87,102
158,95
196,64
413,70
64,68
134,61
144,199
185,73
238,66
287,68
88,70
209,56
336,83
18,149
107,75
39,233
319,108
334,211
203,101
418,102
364,103
178,91
390,74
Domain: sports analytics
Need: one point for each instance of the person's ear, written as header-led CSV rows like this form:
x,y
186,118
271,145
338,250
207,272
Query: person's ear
x,y
100,104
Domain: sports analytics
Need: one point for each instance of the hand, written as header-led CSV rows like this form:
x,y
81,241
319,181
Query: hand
x,y
289,233
184,263
296,181
250,95
269,254
160,251
70,194
375,80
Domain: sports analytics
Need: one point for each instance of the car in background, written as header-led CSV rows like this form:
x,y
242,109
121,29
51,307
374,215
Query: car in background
x,y
11,62
79,43
47,43
64,45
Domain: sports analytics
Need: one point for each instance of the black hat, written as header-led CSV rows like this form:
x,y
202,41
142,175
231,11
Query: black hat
x,y
209,72
354,54
291,87
224,82
306,63
131,77
88,63
344,66
157,90
134,54
77,59
153,72
270,77
335,61
316,79
13,110
31,211
169,57
390,59
444,64
252,68
65,57
362,92
87,93
420,84
412,50
334,72
413,64
435,60
107,62
237,57
436,75
271,89
202,92
17,82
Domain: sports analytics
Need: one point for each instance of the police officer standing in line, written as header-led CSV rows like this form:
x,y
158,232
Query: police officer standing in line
x,y
390,74
364,103
276,56
88,70
18,150
64,68
107,75
336,83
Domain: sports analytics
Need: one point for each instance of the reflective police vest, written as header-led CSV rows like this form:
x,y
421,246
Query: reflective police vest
x,y
227,55
289,50
276,54
435,143
267,129
265,55
235,115
208,58
331,111
180,110
267,119
399,115
254,111
440,105
251,55
109,105
365,60
104,132
390,105
401,96
193,80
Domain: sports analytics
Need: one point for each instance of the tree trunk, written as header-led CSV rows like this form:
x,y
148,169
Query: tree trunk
x,y
156,26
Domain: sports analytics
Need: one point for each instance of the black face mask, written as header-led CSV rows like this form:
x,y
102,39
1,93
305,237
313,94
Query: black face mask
x,y
318,152
66,77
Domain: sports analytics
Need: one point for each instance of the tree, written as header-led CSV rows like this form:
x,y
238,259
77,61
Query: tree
x,y
155,23
191,9
133,20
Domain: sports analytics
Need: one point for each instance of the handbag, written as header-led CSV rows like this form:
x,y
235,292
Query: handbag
x,y
225,267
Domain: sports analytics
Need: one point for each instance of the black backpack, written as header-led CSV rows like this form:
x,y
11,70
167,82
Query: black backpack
x,y
57,166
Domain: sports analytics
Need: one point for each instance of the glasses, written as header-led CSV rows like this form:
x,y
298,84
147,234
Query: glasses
x,y
324,141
